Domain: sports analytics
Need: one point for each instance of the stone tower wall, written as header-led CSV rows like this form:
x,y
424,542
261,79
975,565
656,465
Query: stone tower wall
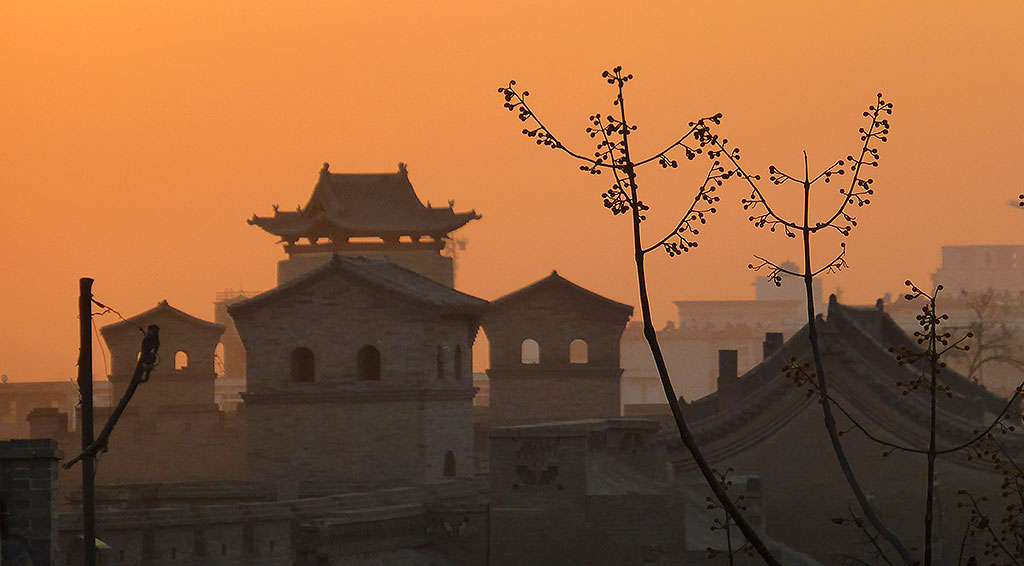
x,y
190,385
554,388
428,263
339,426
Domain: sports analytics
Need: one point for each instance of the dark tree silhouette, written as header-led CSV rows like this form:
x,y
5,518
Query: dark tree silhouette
x,y
725,524
984,445
612,155
764,215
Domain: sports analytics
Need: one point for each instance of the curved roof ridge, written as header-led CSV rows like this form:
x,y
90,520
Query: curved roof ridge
x,y
363,204
888,335
717,416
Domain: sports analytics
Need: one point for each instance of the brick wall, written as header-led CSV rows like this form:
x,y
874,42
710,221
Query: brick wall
x,y
428,263
288,532
171,444
28,486
339,426
554,388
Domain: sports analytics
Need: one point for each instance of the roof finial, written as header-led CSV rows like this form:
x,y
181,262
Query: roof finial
x,y
402,168
325,169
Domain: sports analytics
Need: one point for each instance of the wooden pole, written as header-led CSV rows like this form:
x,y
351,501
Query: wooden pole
x,y
85,390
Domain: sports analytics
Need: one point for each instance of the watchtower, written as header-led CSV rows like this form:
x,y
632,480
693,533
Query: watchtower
x,y
185,372
372,215
359,371
554,353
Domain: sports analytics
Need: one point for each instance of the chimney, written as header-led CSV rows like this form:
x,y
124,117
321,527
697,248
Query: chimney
x,y
728,369
772,343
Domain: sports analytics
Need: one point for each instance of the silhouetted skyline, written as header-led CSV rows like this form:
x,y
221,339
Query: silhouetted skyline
x,y
136,141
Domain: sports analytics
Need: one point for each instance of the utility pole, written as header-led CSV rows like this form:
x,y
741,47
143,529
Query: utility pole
x,y
85,390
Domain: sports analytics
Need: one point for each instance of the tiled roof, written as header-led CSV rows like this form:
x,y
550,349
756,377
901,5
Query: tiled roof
x,y
161,307
380,273
361,204
855,346
557,281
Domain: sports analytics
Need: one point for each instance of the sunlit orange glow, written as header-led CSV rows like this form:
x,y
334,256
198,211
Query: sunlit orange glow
x,y
137,137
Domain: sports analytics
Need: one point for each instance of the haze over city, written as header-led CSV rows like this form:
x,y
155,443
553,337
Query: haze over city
x,y
137,139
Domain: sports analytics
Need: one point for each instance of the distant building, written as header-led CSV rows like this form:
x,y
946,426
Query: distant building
x,y
979,268
983,293
229,362
19,399
372,215
690,345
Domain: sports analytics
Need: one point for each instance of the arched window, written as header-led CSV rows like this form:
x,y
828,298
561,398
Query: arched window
x,y
530,351
440,361
458,362
368,363
303,365
180,360
449,464
218,360
578,351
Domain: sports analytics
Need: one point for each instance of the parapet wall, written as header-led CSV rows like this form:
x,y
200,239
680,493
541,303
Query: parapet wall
x,y
302,531
173,444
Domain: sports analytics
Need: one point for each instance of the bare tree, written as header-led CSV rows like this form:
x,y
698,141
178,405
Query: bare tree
x,y
724,524
613,155
764,215
996,341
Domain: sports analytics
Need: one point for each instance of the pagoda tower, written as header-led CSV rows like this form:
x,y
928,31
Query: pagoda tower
x,y
372,215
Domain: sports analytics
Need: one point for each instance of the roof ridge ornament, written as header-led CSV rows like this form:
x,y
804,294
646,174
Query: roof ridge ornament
x,y
326,169
403,168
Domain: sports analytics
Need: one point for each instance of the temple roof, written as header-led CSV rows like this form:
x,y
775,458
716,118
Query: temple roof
x,y
362,205
861,371
379,273
162,308
557,282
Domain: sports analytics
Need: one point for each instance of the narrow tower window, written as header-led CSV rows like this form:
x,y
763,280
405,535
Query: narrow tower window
x,y
530,351
180,360
440,361
578,351
303,365
458,362
368,363
449,464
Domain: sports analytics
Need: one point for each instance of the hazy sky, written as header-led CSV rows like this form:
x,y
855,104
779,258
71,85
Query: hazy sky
x,y
137,137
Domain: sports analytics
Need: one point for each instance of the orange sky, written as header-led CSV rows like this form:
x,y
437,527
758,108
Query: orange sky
x,y
136,139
